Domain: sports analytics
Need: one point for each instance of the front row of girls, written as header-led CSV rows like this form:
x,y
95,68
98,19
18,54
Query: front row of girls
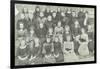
x,y
58,46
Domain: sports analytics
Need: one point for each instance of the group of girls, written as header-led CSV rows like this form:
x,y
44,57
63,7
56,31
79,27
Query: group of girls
x,y
53,36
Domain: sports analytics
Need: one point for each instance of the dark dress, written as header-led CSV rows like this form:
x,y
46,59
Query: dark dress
x,y
48,56
37,53
58,51
75,31
48,48
81,17
22,53
55,21
49,24
27,23
91,43
41,32
68,18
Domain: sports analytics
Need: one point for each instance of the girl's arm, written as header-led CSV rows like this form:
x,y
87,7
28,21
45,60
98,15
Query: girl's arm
x,y
43,49
52,48
19,57
64,47
72,47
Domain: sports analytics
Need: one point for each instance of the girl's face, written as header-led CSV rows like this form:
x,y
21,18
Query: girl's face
x,y
56,39
26,15
67,28
23,43
37,9
83,30
59,24
21,26
41,25
48,39
76,23
41,14
73,14
50,30
22,16
68,38
63,14
25,10
54,14
36,40
89,27
32,31
49,18
30,15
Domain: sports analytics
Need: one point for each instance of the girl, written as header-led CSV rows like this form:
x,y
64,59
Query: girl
x,y
58,51
76,32
47,51
83,41
22,53
31,40
36,58
49,22
75,29
91,40
54,19
67,31
59,31
21,32
50,33
68,49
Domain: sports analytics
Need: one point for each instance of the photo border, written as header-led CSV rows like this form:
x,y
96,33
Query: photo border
x,y
12,33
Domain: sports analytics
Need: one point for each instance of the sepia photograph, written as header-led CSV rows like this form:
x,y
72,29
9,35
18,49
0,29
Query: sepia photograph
x,y
52,34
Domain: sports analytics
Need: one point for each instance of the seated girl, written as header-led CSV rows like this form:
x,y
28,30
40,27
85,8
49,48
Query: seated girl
x,y
22,54
36,53
48,51
83,41
58,54
68,49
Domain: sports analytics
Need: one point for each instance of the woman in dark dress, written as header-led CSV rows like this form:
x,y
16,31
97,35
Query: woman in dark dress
x,y
49,22
59,31
68,17
48,51
26,18
54,19
37,12
31,40
81,17
67,31
75,28
21,33
23,53
41,32
91,40
37,55
58,54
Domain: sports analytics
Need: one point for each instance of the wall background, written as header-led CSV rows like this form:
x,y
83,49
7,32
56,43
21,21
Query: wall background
x,y
5,34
